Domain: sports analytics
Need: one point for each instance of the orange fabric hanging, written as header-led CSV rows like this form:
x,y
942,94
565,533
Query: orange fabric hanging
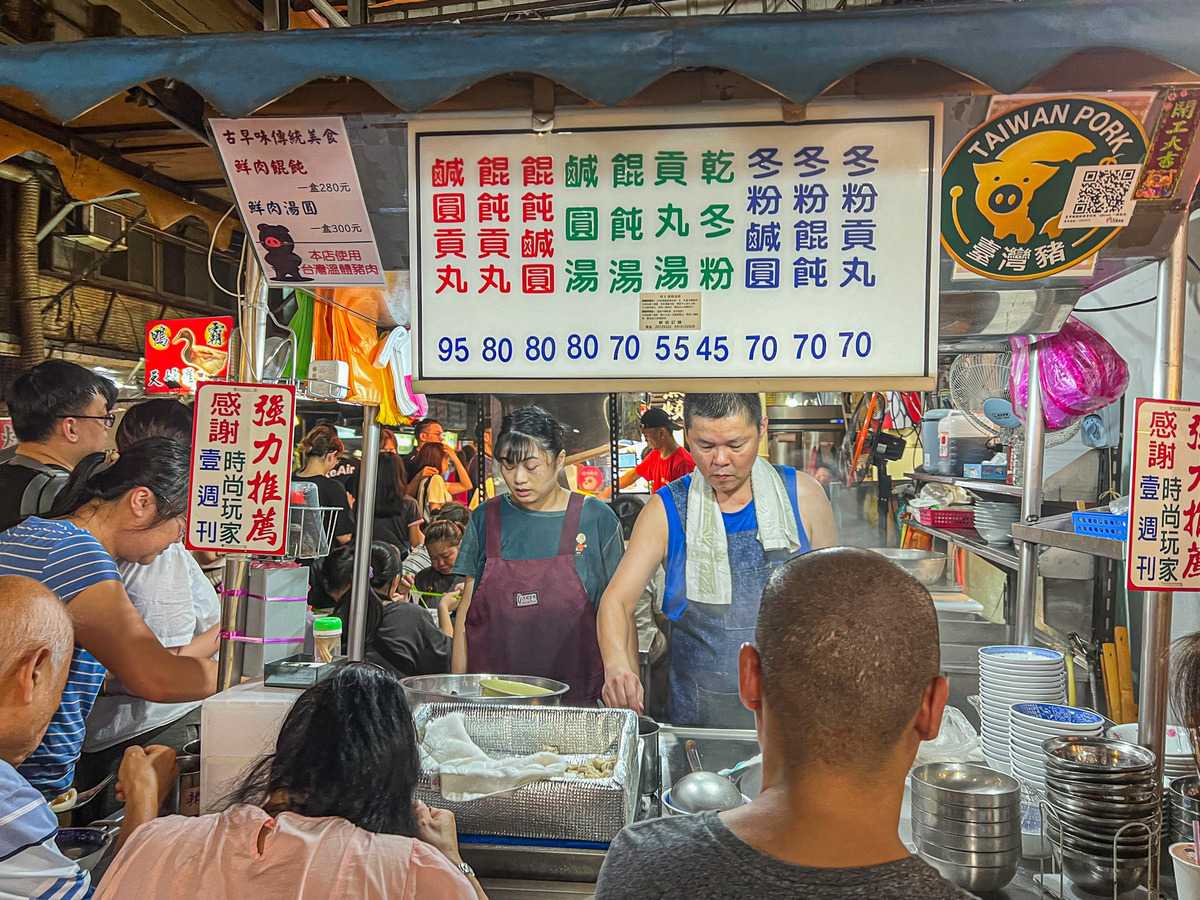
x,y
355,341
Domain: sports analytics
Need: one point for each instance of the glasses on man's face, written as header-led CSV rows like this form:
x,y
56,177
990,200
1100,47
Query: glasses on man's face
x,y
109,419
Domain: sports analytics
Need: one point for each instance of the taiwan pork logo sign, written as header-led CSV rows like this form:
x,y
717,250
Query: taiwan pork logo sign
x,y
1040,188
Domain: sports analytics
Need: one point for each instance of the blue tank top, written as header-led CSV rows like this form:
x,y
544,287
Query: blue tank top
x,y
745,519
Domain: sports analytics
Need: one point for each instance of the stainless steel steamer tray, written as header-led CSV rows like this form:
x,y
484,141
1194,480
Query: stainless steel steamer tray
x,y
559,809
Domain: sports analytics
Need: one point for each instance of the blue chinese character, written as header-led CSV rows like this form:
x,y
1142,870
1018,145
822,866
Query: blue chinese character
x,y
859,159
762,237
206,532
857,270
859,198
1148,528
1147,570
210,460
763,201
811,199
208,495
812,235
1148,486
762,273
812,272
764,160
810,160
858,233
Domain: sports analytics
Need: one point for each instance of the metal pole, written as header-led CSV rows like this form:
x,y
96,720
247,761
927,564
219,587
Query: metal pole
x,y
1156,613
253,337
1031,500
364,512
331,15
357,12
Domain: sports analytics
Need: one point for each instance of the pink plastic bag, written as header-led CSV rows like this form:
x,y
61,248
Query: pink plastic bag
x,y
1080,374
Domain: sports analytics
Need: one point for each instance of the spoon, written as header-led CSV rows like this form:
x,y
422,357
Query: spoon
x,y
701,791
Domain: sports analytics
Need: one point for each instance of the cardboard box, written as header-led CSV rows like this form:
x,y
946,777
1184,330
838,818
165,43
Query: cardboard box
x,y
986,471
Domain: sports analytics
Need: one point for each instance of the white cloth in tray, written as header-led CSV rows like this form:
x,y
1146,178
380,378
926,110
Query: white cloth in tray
x,y
467,773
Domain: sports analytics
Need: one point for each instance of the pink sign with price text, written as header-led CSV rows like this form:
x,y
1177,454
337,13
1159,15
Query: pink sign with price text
x,y
1164,513
241,468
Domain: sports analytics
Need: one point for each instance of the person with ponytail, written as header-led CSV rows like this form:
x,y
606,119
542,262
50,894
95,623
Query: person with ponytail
x,y
126,507
320,451
399,636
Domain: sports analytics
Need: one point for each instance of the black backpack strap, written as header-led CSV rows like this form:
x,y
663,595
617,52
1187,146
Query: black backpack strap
x,y
41,490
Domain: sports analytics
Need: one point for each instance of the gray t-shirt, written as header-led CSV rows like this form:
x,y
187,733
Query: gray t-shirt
x,y
697,857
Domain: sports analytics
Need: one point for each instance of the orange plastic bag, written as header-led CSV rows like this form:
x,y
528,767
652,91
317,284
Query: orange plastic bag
x,y
355,340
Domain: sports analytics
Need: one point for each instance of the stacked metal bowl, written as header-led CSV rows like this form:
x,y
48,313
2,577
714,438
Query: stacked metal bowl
x,y
1184,796
1095,788
966,822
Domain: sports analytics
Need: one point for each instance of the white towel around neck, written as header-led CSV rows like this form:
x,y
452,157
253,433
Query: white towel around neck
x,y
708,577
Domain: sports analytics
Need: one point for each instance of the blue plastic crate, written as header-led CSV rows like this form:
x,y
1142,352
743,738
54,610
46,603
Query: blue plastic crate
x,y
1101,524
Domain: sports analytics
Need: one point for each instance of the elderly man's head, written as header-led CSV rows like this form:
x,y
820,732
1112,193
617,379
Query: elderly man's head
x,y
36,640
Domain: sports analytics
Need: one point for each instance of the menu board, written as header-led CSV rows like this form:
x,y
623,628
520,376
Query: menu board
x,y
662,247
241,468
1164,513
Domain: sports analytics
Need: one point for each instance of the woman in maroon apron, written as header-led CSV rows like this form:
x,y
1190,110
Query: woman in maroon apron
x,y
537,561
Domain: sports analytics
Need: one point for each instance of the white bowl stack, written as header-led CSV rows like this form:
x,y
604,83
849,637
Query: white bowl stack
x,y
1178,760
1034,723
1014,674
994,520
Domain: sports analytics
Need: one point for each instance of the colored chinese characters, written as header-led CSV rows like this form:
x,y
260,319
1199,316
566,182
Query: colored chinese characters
x,y
241,462
1164,516
181,353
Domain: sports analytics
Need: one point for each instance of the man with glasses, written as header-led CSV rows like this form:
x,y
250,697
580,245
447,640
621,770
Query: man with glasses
x,y
61,413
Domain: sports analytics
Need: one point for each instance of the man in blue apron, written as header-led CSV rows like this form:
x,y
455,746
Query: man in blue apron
x,y
719,533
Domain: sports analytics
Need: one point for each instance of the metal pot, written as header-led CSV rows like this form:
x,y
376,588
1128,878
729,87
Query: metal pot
x,y
651,782
465,689
924,565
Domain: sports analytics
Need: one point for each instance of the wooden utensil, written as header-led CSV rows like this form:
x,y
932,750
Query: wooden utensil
x,y
1125,674
1112,681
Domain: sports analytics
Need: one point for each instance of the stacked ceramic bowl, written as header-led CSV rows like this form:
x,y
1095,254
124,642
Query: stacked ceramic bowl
x,y
966,822
1178,759
1014,674
994,520
1096,787
1032,724
1184,796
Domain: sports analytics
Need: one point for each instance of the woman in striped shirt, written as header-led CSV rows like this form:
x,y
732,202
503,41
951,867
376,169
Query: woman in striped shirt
x,y
129,509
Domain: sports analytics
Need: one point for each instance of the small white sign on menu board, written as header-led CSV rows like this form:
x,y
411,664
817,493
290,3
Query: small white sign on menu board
x,y
801,255
241,468
299,197
1164,512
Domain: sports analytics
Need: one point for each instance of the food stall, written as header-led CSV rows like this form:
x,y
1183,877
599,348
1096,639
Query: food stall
x,y
668,188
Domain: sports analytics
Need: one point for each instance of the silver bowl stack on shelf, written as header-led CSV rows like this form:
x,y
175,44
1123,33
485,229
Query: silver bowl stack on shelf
x,y
1096,787
1184,807
966,822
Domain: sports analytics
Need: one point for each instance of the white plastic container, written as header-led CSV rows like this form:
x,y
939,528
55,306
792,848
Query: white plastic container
x,y
929,437
960,443
1187,873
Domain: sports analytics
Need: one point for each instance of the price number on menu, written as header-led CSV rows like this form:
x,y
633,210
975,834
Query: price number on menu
x,y
763,348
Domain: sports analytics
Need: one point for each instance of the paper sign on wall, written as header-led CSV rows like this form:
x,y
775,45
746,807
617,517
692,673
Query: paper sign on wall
x,y
241,468
1164,512
181,353
300,199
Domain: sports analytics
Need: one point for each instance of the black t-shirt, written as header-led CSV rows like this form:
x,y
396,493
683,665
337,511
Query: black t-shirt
x,y
410,467
431,581
15,478
409,642
394,529
346,469
331,494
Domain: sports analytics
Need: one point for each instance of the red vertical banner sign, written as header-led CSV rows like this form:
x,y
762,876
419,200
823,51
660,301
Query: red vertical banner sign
x,y
241,468
1164,513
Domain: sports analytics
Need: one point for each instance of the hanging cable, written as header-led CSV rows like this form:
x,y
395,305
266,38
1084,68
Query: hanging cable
x,y
1096,309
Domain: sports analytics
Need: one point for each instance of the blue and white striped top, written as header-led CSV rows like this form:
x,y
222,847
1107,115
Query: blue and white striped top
x,y
67,560
31,865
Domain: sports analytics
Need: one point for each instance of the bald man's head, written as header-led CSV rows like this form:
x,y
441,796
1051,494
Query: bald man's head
x,y
36,640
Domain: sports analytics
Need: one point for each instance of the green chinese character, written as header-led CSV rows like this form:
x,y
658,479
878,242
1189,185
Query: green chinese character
x,y
627,170
582,276
716,273
581,172
627,276
716,166
717,218
672,273
583,223
627,223
671,219
669,166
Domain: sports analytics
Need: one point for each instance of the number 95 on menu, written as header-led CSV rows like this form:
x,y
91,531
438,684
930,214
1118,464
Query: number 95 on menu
x,y
644,248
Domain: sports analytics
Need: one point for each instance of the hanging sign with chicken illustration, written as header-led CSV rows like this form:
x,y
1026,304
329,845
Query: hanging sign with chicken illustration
x,y
182,353
1035,190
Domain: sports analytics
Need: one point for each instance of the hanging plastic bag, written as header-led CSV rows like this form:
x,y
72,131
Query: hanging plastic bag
x,y
956,741
302,325
1080,373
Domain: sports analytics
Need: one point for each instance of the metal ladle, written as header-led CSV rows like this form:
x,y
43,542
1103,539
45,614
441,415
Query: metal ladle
x,y
700,791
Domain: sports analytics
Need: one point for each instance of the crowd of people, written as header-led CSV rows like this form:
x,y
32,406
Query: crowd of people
x,y
108,629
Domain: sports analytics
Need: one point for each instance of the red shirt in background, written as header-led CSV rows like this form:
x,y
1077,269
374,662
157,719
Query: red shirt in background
x,y
660,471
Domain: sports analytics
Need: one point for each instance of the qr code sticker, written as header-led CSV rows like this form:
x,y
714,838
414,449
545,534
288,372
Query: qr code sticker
x,y
1100,197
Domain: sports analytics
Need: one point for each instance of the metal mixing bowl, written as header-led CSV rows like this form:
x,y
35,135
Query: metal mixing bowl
x,y
967,858
1098,755
967,843
965,784
465,688
1096,876
976,880
966,814
924,565
965,829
